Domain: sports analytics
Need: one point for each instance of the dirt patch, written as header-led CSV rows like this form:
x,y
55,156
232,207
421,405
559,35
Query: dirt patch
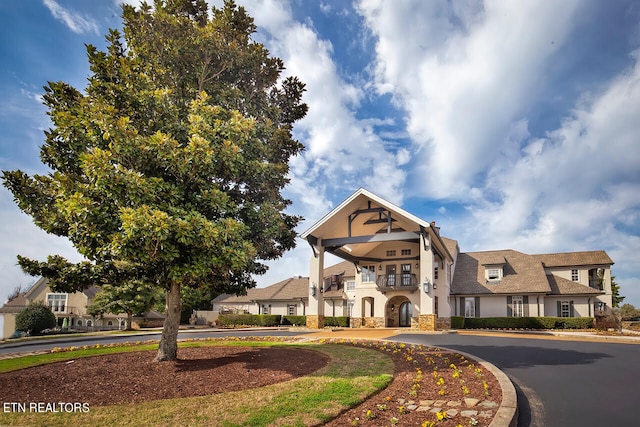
x,y
134,377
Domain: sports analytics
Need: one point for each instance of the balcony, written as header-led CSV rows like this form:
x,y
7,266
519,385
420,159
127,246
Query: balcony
x,y
397,282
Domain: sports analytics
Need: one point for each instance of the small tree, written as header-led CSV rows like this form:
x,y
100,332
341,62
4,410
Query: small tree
x,y
616,298
629,312
34,318
134,297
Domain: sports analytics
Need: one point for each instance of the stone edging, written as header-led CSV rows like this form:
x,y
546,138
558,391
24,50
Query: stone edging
x,y
507,414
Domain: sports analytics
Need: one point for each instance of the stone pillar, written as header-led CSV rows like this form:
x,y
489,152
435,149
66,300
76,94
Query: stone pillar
x,y
427,322
315,313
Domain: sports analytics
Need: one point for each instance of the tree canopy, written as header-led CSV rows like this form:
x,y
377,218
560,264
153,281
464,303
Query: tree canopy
x,y
168,168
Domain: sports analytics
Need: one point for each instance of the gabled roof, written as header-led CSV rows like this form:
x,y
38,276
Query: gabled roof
x,y
562,286
345,267
570,259
364,194
15,305
522,273
293,288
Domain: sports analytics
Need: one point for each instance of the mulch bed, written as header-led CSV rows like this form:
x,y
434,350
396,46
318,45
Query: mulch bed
x,y
134,377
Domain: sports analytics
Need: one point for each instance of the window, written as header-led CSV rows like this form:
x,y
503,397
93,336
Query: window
x,y
109,323
574,275
291,309
351,285
391,252
350,304
565,308
493,274
405,252
469,307
89,323
517,306
406,274
368,273
435,271
57,302
266,308
79,322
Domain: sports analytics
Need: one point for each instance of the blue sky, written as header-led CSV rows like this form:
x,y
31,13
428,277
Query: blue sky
x,y
513,125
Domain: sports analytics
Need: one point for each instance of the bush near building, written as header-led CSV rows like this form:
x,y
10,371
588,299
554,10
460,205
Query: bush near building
x,y
35,318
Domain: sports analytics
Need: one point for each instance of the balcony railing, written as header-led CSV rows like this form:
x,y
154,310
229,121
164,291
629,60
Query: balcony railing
x,y
403,282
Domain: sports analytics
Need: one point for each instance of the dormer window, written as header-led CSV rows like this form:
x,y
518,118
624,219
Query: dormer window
x,y
493,274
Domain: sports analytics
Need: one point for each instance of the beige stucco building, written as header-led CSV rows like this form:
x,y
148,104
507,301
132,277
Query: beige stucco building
x,y
399,271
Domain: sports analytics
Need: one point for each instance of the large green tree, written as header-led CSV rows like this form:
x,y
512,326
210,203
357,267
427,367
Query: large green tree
x,y
168,168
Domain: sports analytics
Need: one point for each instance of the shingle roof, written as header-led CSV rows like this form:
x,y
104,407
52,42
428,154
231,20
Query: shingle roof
x,y
562,286
567,259
15,305
522,273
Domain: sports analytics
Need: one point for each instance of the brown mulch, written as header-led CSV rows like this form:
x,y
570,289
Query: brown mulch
x,y
134,377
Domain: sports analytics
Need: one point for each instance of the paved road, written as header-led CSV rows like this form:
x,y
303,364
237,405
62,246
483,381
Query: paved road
x,y
559,383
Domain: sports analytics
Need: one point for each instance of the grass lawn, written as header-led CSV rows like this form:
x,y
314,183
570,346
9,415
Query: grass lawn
x,y
351,376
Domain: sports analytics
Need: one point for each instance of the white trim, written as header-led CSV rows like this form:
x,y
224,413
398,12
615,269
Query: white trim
x,y
379,200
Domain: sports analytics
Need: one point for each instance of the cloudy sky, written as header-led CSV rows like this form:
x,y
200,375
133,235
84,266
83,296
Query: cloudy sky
x,y
514,125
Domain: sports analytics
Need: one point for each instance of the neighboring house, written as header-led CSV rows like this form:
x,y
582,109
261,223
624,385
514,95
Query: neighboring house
x,y
400,272
69,306
289,297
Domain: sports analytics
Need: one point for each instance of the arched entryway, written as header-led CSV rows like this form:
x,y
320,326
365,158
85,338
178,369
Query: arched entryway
x,y
398,312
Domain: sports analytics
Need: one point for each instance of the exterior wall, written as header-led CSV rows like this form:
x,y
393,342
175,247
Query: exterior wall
x,y
239,307
7,325
493,306
582,305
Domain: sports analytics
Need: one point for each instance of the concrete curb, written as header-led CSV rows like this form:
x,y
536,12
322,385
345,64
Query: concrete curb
x,y
507,414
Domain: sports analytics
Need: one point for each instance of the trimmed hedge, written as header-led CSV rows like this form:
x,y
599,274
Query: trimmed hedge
x,y
342,321
294,320
528,323
457,322
249,319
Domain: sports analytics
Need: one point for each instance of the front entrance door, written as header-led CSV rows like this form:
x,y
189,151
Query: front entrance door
x,y
405,314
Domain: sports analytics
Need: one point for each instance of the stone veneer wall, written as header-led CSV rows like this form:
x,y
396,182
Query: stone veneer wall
x,y
315,322
366,322
427,322
443,323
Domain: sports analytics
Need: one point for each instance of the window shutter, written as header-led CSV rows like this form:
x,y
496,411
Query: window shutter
x,y
462,313
509,306
477,306
525,302
559,309
571,312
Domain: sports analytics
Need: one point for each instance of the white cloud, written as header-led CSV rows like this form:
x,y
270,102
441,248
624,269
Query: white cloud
x,y
342,151
464,76
73,20
21,237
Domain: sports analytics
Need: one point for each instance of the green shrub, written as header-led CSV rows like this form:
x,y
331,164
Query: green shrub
x,y
34,318
342,321
294,320
457,322
528,323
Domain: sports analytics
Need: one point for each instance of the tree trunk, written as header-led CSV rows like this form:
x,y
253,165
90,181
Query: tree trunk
x,y
129,319
168,348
